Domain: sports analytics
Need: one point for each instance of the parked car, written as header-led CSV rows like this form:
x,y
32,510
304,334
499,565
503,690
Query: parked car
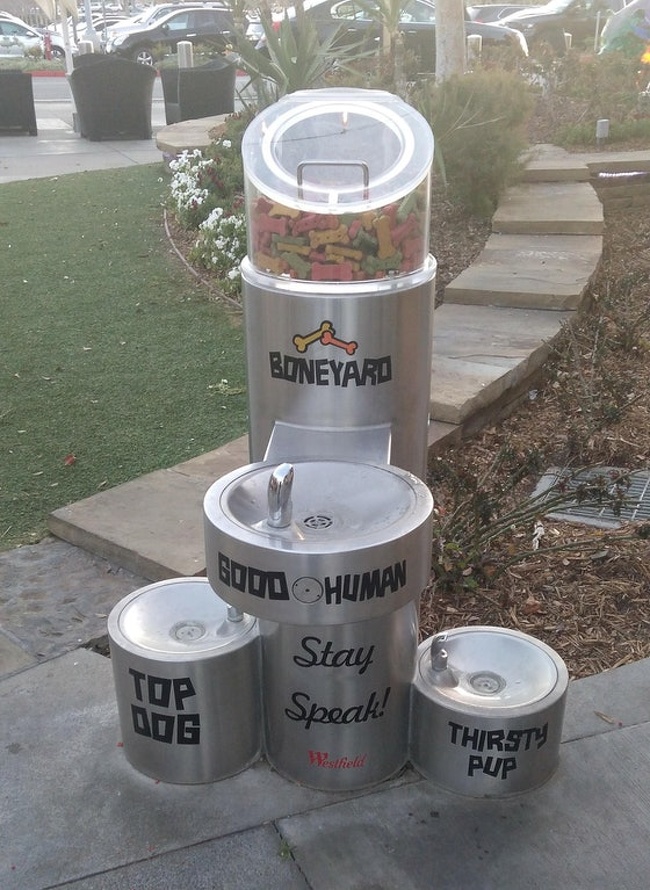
x,y
628,31
544,26
494,12
150,15
209,25
353,25
56,41
17,38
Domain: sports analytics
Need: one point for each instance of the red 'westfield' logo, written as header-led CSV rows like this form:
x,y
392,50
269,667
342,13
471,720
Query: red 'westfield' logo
x,y
322,759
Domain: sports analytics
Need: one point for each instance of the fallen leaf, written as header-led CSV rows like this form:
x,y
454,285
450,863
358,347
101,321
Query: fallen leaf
x,y
69,459
605,717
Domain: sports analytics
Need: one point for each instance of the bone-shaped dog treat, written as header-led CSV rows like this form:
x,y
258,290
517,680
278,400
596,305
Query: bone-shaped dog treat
x,y
345,252
386,246
303,342
338,235
328,339
270,263
277,224
281,210
313,221
331,271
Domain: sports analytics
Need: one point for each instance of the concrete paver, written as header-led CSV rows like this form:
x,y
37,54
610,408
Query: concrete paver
x,y
586,828
479,352
188,135
72,806
549,208
152,525
550,163
12,656
244,861
54,598
529,271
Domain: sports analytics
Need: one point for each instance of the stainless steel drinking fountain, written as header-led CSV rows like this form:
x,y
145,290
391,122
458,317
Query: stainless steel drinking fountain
x,y
303,640
332,557
186,670
326,537
488,707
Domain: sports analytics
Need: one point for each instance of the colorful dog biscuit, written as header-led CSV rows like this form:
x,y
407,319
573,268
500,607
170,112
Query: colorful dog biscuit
x,y
288,247
281,210
338,235
408,205
278,225
382,228
331,272
350,246
301,267
270,263
332,250
373,264
312,221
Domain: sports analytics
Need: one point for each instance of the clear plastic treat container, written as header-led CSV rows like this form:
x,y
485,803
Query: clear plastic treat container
x,y
337,186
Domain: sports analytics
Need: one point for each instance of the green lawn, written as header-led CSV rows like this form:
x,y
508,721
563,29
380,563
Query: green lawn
x,y
110,351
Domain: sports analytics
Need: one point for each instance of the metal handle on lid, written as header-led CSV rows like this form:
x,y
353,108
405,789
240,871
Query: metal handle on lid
x,y
279,496
365,172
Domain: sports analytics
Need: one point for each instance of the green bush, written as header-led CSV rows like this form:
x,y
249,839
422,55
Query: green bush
x,y
606,86
628,132
479,125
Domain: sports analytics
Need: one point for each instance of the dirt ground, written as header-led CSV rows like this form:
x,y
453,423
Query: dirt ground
x,y
583,591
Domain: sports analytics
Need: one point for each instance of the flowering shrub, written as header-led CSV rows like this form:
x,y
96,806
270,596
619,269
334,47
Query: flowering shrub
x,y
206,195
199,184
221,246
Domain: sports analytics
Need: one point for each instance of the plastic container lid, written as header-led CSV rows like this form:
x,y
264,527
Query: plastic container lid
x,y
337,150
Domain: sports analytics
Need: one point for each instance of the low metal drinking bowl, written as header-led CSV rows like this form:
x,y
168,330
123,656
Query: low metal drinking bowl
x,y
486,711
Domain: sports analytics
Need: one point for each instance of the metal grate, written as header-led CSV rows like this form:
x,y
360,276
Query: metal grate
x,y
635,505
318,521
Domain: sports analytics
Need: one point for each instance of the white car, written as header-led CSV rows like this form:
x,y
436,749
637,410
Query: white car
x,y
17,38
58,49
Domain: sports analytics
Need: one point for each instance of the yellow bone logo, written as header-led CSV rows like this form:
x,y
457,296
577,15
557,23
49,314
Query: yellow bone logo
x,y
327,336
302,343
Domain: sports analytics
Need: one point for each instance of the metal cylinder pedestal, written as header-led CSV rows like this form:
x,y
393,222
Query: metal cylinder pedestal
x,y
487,711
186,669
336,699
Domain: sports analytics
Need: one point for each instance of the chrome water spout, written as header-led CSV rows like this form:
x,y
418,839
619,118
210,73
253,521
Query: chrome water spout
x,y
234,614
442,674
279,496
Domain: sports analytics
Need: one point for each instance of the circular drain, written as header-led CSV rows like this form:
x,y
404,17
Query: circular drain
x,y
486,683
188,631
318,521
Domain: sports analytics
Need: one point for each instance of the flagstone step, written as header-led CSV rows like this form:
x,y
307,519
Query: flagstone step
x,y
549,208
529,271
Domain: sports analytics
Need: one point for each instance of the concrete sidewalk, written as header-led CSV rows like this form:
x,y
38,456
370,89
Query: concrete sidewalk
x,y
74,814
58,149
